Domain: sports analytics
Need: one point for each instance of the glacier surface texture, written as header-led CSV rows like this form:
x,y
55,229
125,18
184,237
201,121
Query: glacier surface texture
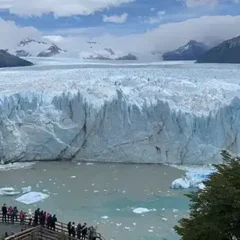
x,y
166,114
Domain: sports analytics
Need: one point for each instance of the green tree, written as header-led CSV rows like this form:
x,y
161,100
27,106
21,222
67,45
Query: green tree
x,y
215,211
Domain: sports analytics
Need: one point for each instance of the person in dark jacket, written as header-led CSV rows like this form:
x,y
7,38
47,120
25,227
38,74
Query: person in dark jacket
x,y
69,228
36,216
53,224
73,231
4,213
79,231
15,214
84,231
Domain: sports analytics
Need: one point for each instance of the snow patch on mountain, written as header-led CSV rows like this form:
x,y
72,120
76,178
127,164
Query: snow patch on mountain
x,y
94,51
33,48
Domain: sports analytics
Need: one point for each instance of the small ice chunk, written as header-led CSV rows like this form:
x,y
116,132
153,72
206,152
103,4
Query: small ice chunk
x,y
79,164
26,189
119,224
175,210
73,176
85,190
118,209
163,209
105,217
88,164
96,191
141,210
69,190
150,230
134,224
164,219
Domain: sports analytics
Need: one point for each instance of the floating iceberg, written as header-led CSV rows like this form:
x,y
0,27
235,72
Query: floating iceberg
x,y
193,178
32,197
8,191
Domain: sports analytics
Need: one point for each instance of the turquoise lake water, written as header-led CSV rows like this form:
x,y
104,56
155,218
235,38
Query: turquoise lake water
x,y
105,195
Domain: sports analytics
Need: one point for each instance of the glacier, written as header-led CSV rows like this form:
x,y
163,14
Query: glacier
x,y
168,115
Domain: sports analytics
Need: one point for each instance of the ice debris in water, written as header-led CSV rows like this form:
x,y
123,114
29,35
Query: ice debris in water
x,y
105,217
88,164
141,210
164,219
194,178
14,166
26,189
73,176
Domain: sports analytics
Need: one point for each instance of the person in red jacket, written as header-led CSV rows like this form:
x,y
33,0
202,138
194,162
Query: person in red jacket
x,y
10,213
21,217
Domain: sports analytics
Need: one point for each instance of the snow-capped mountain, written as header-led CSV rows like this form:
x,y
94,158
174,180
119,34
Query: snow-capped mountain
x,y
9,60
33,48
191,51
93,52
226,52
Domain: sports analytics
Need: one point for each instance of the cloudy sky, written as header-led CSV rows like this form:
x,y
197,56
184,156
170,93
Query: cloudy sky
x,y
137,25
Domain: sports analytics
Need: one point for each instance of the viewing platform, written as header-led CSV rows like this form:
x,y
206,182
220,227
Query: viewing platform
x,y
27,232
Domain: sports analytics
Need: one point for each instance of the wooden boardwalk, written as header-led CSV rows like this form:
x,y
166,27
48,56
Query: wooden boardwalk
x,y
26,232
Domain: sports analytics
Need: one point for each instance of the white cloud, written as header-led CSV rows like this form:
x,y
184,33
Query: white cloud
x,y
115,18
54,38
11,34
197,3
167,36
58,7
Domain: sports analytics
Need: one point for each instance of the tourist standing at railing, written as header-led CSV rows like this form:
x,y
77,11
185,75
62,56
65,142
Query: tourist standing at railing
x,y
79,231
4,213
49,222
69,228
21,217
15,214
53,222
30,217
73,230
36,216
46,218
84,231
10,213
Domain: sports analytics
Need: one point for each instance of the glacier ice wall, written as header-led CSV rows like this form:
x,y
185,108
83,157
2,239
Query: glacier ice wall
x,y
67,127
